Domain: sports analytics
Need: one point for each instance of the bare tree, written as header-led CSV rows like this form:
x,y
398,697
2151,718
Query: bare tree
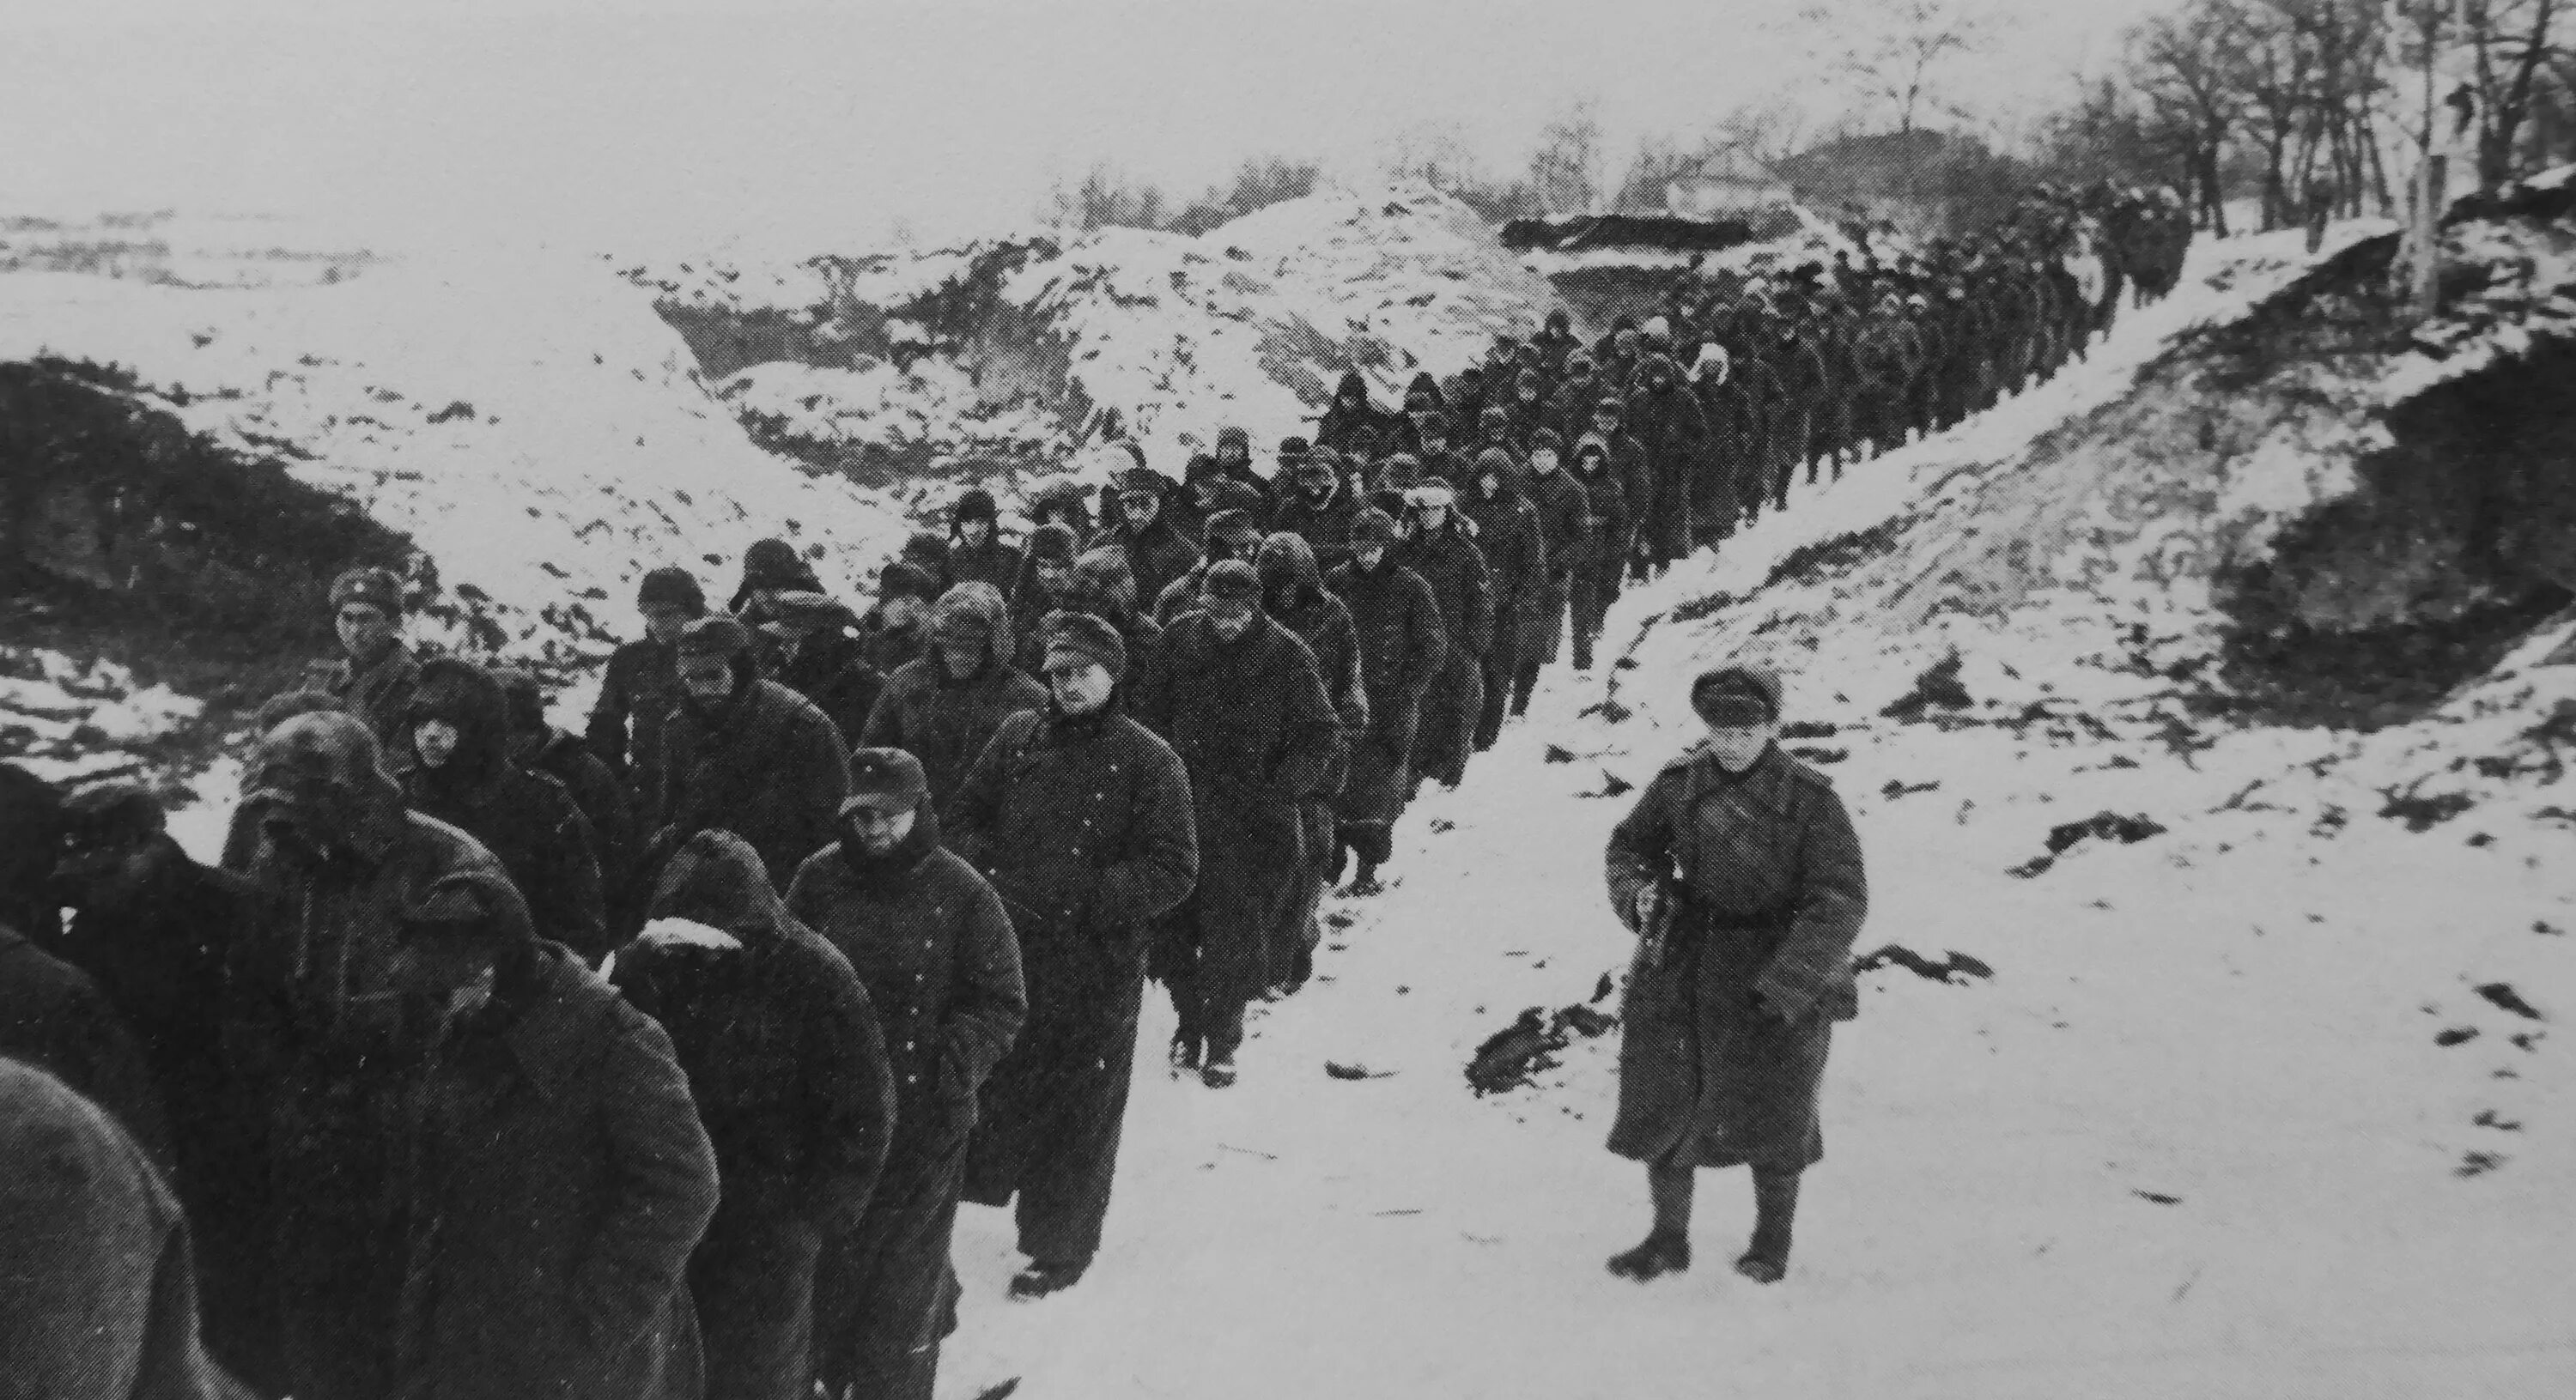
x,y
1436,153
1897,52
2190,67
1658,162
2510,48
1565,171
1106,198
1770,129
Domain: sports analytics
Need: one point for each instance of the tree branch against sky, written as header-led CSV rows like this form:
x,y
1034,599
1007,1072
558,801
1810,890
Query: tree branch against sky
x,y
1902,55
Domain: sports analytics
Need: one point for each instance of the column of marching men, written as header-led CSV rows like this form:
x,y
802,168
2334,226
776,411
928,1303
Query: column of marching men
x,y
493,1060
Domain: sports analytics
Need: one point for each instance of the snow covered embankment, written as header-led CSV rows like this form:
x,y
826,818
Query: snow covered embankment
x,y
539,434
2250,1105
1019,350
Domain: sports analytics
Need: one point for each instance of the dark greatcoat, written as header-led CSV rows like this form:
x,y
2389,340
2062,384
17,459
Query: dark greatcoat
x,y
1770,895
944,721
786,1061
603,803
1401,639
1084,825
991,562
1455,569
378,693
560,1181
936,951
636,698
766,766
834,670
1324,526
1668,423
157,948
1506,530
1250,722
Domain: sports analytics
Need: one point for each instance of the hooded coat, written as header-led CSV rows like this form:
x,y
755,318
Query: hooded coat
x,y
945,720
932,943
1727,1027
523,817
784,1050
787,1064
1401,640
1251,724
98,1296
561,1181
764,764
1084,825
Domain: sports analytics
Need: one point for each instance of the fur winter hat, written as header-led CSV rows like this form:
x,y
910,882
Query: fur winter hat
x,y
1231,581
1372,527
374,588
715,636
672,586
1052,544
1233,526
1236,436
972,611
1085,638
1547,438
976,504
885,773
903,579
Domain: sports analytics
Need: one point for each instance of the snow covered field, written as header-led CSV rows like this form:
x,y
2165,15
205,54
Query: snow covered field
x,y
2245,1109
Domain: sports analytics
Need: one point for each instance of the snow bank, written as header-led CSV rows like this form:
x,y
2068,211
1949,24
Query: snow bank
x,y
1157,337
526,419
71,722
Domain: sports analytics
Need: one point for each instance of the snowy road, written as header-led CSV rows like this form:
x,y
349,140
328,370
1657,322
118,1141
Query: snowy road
x,y
2230,1119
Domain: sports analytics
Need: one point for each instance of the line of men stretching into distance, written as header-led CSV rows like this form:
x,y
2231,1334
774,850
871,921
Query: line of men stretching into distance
x,y
493,1060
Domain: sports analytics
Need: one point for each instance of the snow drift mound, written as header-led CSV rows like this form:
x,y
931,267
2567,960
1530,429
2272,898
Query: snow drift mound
x,y
531,426
1017,351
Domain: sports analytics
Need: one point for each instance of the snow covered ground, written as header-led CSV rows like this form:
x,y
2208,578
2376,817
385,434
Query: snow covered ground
x,y
2245,1109
542,437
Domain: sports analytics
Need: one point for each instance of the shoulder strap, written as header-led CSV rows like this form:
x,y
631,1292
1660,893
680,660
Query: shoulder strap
x,y
1683,847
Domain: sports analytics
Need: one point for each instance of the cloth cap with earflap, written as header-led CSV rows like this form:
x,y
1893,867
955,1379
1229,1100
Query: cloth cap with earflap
x,y
885,773
1086,638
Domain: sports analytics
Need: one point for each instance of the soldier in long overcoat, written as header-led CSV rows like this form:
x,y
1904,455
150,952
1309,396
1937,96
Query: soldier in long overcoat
x,y
1237,696
1081,820
1741,874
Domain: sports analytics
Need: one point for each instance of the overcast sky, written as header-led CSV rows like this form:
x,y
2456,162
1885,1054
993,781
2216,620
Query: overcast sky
x,y
693,123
